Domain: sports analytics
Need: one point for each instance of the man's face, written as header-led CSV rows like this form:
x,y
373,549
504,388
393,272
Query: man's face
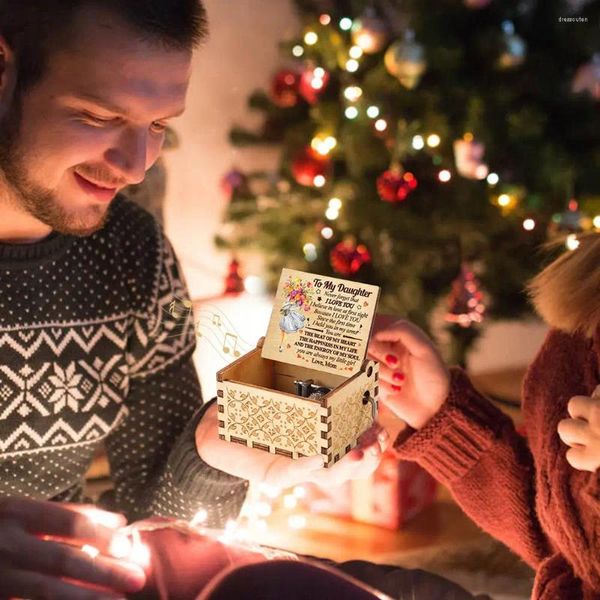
x,y
93,125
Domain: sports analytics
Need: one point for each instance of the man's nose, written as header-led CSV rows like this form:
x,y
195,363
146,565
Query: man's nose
x,y
129,155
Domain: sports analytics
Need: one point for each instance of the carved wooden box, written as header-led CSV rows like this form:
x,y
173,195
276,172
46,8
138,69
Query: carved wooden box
x,y
318,332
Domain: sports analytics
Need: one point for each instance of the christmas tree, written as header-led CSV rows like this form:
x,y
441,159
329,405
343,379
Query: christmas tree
x,y
429,147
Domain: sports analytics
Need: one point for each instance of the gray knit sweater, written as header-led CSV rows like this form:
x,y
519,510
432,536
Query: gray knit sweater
x,y
95,348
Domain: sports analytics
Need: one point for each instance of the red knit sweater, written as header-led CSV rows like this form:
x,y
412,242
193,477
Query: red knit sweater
x,y
524,493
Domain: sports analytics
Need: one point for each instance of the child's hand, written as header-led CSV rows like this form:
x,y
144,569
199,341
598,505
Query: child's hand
x,y
582,432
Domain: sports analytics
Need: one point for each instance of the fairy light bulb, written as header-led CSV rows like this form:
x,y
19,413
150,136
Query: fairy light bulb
x,y
310,38
327,233
481,171
381,124
572,242
290,501
319,181
352,65
325,19
91,551
596,222
353,93
433,140
373,112
298,51
310,252
418,143
335,204
493,178
345,24
200,517
528,224
297,521
351,112
299,492
332,213
355,52
444,175
503,200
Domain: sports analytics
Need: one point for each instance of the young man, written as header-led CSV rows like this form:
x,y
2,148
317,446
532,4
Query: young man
x,y
88,354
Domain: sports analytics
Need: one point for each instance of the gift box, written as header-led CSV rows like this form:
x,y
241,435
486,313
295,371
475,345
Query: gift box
x,y
394,494
307,388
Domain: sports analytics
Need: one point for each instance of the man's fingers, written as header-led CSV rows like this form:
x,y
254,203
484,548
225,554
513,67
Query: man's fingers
x,y
574,432
27,552
35,586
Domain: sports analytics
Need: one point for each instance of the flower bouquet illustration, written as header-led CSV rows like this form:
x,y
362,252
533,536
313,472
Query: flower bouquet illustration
x,y
297,299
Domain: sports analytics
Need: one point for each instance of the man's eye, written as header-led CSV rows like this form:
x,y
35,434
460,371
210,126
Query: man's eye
x,y
159,127
97,120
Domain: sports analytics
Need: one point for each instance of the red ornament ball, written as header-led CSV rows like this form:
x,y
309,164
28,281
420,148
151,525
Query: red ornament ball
x,y
313,82
346,258
308,165
284,88
394,187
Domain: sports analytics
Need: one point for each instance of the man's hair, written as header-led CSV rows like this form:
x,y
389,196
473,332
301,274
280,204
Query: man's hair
x,y
34,28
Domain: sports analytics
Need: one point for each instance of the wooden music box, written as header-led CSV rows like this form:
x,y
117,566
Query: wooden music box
x,y
307,388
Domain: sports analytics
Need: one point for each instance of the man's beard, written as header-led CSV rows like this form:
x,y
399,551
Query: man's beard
x,y
39,202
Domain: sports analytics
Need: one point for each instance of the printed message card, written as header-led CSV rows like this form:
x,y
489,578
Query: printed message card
x,y
321,322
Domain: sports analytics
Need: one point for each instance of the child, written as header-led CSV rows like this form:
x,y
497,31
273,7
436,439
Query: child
x,y
540,495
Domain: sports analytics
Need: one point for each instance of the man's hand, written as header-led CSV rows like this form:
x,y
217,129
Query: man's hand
x,y
414,381
41,556
280,471
582,432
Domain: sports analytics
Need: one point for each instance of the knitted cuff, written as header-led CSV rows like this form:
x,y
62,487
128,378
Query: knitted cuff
x,y
456,437
195,477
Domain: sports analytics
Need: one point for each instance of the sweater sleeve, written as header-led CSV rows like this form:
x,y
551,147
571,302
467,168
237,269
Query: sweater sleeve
x,y
472,447
154,463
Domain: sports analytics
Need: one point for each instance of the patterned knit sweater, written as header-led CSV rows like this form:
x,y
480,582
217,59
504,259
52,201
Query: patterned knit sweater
x,y
95,349
524,493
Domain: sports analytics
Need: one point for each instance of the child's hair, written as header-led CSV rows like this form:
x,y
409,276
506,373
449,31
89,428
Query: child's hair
x,y
566,293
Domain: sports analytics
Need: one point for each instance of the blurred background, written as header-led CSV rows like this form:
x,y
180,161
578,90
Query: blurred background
x,y
430,147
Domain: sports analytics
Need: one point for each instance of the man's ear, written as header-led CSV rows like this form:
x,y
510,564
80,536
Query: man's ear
x,y
8,74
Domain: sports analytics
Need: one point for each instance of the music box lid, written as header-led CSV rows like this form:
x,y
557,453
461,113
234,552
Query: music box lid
x,y
321,322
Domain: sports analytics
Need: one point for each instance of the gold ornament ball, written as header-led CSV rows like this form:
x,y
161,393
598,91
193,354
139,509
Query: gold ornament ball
x,y
405,60
369,34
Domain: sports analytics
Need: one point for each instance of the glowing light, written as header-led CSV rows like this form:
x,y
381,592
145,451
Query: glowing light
x,y
298,51
254,285
91,551
319,72
299,491
352,65
433,140
355,52
101,517
493,178
572,242
335,204
332,213
319,181
381,124
418,143
311,38
310,252
140,553
503,199
323,144
201,516
481,171
297,521
271,491
528,224
596,221
573,205
327,233
290,501
345,24
353,93
263,509
120,546
325,19
444,175
373,112
351,112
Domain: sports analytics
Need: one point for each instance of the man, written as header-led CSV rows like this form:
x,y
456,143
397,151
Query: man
x,y
88,354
